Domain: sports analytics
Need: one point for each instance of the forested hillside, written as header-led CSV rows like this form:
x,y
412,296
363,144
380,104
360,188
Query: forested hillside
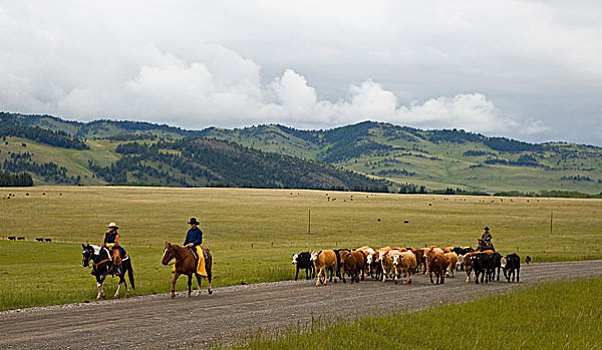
x,y
411,158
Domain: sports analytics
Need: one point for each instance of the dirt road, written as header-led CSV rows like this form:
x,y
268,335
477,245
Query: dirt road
x,y
160,322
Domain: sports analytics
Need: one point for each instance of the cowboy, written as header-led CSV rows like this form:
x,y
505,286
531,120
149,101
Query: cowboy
x,y
193,241
111,240
194,237
487,235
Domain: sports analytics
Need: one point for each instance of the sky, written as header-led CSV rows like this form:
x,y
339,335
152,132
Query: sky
x,y
529,70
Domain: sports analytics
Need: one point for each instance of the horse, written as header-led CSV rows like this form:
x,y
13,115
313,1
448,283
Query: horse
x,y
186,265
485,245
102,266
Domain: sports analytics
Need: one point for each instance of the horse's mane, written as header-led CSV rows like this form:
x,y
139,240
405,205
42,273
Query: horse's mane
x,y
96,249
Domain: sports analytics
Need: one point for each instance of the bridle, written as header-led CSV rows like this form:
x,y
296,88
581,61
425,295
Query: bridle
x,y
95,264
171,251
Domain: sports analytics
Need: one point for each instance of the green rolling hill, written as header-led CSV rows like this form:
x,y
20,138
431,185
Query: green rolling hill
x,y
436,159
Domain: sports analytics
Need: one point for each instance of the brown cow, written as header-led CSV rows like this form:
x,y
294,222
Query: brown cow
x,y
436,263
420,258
404,262
452,258
324,260
352,264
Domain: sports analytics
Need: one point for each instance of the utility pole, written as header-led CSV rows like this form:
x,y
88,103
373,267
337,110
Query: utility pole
x,y
309,222
551,221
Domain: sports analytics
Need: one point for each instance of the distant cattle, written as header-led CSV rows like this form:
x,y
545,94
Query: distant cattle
x,y
40,239
48,240
12,238
20,238
323,260
511,266
303,261
528,260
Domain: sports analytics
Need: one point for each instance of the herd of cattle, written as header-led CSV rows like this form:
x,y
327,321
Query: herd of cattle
x,y
393,263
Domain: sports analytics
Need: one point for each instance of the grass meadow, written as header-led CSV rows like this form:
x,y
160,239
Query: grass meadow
x,y
565,315
252,233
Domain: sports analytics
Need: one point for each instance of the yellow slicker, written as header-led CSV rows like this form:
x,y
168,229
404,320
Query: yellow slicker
x,y
200,268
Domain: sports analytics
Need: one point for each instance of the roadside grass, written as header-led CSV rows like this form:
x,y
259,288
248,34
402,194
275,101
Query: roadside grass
x,y
566,315
252,233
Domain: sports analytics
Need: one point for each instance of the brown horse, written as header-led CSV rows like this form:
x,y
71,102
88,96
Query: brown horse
x,y
186,265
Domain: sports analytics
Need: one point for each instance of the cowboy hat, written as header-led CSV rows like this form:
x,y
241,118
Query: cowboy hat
x,y
486,228
112,225
193,221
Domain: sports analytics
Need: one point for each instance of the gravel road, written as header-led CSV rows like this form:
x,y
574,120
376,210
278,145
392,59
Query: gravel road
x,y
160,322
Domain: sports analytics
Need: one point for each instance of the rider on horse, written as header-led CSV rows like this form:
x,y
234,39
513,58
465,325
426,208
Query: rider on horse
x,y
111,240
194,237
485,240
487,235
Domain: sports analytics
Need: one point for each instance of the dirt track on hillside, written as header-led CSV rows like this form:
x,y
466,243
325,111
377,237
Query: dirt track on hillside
x,y
158,321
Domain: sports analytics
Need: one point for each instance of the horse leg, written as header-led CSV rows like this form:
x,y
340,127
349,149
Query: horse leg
x,y
189,285
117,291
173,284
198,281
99,281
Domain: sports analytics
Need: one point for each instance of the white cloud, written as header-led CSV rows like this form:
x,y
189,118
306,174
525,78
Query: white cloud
x,y
517,68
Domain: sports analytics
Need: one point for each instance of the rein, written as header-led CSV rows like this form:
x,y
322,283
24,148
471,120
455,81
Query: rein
x,y
178,259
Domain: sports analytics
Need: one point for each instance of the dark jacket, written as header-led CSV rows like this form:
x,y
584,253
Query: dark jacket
x,y
194,236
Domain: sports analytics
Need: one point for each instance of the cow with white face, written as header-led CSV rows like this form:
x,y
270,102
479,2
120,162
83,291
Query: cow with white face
x,y
303,261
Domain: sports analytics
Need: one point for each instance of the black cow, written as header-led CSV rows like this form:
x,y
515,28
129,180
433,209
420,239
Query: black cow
x,y
482,264
20,238
40,239
511,265
48,240
302,260
496,264
462,251
337,252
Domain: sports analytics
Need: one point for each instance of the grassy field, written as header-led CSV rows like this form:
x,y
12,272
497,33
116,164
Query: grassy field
x,y
564,315
252,233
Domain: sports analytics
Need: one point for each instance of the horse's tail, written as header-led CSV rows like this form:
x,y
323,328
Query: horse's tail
x,y
131,275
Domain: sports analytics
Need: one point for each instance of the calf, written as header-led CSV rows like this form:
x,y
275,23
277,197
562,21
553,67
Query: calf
x,y
436,263
303,261
452,259
405,263
367,252
511,266
352,264
324,260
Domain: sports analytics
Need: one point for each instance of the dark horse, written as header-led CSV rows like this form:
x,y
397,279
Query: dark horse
x,y
102,266
186,265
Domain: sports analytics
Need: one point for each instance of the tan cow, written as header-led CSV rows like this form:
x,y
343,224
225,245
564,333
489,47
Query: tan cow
x,y
323,260
452,258
436,263
405,263
386,263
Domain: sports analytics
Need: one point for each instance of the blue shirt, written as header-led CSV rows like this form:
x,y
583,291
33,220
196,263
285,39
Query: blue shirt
x,y
194,236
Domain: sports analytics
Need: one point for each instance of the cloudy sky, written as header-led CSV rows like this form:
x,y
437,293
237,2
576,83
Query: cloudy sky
x,y
529,70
